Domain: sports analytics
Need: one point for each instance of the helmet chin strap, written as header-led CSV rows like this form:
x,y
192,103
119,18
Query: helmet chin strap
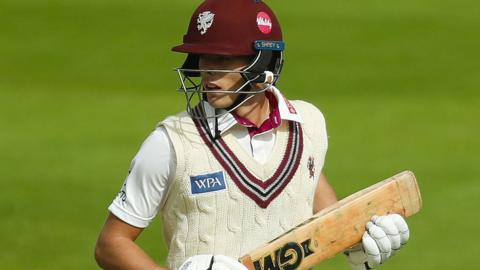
x,y
266,77
260,62
261,74
240,98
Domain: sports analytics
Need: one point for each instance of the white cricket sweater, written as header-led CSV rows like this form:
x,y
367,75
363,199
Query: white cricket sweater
x,y
222,201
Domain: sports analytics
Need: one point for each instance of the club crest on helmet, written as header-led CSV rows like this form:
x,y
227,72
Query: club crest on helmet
x,y
205,21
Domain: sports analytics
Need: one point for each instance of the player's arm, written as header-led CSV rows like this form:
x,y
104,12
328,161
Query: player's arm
x,y
136,205
324,194
116,247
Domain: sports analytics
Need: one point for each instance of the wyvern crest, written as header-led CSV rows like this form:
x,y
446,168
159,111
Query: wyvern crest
x,y
204,21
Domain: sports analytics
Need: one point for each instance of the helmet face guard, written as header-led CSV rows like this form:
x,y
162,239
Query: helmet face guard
x,y
257,72
231,28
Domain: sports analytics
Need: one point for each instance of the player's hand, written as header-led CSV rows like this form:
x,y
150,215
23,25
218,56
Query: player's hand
x,y
384,236
211,262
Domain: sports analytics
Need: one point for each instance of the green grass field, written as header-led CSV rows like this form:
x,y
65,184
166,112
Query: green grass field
x,y
82,83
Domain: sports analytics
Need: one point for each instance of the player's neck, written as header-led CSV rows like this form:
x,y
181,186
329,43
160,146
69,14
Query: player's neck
x,y
256,109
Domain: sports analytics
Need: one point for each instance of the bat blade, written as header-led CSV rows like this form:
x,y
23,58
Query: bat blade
x,y
338,227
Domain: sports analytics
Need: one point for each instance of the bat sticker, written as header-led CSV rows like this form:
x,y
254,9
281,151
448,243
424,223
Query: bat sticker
x,y
288,257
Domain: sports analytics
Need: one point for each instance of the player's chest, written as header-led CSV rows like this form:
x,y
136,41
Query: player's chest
x,y
225,169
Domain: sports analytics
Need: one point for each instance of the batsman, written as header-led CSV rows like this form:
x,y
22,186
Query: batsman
x,y
241,165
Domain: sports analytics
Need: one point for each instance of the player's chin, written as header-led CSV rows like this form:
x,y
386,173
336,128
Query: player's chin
x,y
219,101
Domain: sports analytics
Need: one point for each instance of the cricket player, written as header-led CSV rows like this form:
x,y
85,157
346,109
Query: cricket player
x,y
240,165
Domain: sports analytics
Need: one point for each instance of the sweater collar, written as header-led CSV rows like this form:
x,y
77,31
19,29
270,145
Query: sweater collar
x,y
285,110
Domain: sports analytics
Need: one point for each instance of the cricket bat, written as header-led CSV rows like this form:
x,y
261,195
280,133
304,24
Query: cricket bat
x,y
338,227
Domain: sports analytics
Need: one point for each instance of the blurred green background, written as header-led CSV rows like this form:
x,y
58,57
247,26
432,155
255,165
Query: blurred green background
x,y
83,82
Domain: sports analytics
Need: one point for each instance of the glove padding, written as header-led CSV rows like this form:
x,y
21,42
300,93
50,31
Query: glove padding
x,y
384,236
211,262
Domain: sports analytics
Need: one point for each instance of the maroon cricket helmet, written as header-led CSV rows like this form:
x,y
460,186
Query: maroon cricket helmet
x,y
232,28
229,27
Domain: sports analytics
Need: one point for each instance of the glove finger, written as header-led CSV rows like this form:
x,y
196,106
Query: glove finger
x,y
381,240
372,252
390,229
402,227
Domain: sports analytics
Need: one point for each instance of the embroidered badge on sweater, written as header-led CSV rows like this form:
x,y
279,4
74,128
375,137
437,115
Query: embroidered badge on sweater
x,y
262,191
311,166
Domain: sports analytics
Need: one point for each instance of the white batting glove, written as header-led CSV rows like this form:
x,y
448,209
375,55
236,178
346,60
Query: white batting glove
x,y
211,262
384,236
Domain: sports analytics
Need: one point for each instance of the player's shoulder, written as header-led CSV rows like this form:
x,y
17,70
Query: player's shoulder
x,y
155,150
313,123
308,110
174,120
178,128
156,142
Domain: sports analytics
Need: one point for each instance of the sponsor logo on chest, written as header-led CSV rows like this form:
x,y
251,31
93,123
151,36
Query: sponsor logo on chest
x,y
208,182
